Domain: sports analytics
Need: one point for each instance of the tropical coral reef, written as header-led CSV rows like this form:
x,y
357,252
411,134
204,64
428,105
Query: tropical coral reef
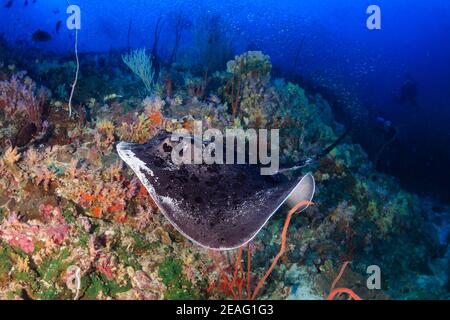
x,y
76,224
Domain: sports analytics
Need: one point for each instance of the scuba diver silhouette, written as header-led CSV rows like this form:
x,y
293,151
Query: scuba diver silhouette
x,y
408,92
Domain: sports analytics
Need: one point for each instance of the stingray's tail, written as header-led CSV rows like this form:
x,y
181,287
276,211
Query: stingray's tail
x,y
305,162
330,148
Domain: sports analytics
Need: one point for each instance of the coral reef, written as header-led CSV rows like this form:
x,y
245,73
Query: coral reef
x,y
22,103
75,224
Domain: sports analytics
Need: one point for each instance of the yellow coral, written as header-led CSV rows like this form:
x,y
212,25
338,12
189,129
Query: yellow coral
x,y
23,264
105,126
139,131
31,157
104,137
11,156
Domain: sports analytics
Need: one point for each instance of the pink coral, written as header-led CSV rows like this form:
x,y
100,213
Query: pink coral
x,y
105,265
22,241
24,235
18,234
56,227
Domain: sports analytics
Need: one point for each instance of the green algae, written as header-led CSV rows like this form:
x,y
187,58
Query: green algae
x,y
128,258
5,262
141,244
178,287
96,283
53,266
67,214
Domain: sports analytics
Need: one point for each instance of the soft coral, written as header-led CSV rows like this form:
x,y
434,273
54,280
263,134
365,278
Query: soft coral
x,y
20,98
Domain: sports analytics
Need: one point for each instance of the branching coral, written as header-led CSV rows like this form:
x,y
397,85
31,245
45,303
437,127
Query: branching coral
x,y
139,131
104,137
142,66
250,65
11,156
144,125
196,87
249,72
153,107
12,93
20,99
10,176
40,167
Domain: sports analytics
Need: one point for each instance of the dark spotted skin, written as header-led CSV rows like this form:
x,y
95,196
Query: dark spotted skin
x,y
217,206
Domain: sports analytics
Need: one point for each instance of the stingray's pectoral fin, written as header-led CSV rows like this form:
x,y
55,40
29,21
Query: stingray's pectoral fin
x,y
303,192
217,206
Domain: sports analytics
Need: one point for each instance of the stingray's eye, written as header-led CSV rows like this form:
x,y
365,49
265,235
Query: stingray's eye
x,y
167,148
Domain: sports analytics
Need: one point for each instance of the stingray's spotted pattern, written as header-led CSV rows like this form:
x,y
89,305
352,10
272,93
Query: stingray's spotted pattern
x,y
216,206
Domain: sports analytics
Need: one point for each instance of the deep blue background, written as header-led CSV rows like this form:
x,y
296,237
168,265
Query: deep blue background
x,y
366,67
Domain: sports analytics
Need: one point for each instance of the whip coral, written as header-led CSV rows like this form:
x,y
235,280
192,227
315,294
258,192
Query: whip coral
x,y
235,286
336,291
283,245
72,91
235,96
238,281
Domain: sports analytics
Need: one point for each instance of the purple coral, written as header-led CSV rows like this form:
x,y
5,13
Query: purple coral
x,y
19,97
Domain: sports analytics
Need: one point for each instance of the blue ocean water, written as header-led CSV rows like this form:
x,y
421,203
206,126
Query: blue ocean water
x,y
326,43
384,73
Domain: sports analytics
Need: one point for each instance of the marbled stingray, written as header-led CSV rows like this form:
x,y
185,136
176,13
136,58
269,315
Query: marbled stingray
x,y
217,206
